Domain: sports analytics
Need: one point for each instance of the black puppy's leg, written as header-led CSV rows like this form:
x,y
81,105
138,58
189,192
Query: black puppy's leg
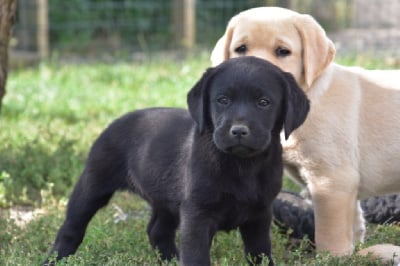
x,y
256,239
197,231
161,231
86,199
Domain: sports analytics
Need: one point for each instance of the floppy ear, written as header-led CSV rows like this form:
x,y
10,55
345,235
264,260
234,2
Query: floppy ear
x,y
318,49
220,53
297,105
197,100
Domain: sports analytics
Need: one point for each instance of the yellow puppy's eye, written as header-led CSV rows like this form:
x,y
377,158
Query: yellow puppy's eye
x,y
282,51
241,49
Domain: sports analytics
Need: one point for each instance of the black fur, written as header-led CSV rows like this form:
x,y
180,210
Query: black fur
x,y
291,211
216,167
382,210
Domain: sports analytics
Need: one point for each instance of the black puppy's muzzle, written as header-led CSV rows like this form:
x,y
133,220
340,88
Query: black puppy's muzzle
x,y
239,132
239,135
239,140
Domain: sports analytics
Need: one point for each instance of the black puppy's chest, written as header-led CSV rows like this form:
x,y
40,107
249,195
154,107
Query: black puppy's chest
x,y
239,194
233,213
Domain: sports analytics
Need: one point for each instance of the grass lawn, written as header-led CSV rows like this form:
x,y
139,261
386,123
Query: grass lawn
x,y
52,114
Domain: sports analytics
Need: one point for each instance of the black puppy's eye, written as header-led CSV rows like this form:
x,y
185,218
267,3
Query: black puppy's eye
x,y
263,102
242,49
223,100
282,52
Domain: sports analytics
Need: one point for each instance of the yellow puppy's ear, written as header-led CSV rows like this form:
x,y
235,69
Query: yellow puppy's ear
x,y
220,53
318,49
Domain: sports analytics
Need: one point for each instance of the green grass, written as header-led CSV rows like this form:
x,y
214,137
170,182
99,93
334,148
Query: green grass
x,y
50,117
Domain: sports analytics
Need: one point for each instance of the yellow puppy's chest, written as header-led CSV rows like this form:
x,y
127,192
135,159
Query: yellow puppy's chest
x,y
306,161
293,159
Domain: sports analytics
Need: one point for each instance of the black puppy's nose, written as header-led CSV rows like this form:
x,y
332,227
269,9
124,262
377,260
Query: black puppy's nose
x,y
239,131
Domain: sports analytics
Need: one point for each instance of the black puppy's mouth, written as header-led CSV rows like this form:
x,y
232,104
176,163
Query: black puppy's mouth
x,y
241,151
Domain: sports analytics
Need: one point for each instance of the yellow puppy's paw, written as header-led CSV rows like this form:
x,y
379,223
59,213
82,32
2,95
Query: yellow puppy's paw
x,y
387,253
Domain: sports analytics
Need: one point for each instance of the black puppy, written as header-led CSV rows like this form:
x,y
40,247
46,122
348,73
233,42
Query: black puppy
x,y
216,167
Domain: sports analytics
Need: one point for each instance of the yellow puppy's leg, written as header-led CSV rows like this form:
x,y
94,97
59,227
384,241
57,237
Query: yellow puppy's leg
x,y
334,216
359,228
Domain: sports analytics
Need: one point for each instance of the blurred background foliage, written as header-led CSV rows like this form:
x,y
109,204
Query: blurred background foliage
x,y
121,27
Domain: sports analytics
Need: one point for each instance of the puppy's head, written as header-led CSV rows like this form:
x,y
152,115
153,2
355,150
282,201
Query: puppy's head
x,y
245,101
294,42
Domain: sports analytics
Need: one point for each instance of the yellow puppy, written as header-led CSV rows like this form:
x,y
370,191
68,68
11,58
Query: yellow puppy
x,y
349,146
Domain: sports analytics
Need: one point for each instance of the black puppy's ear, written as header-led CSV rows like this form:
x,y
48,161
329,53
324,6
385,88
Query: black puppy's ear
x,y
197,100
297,105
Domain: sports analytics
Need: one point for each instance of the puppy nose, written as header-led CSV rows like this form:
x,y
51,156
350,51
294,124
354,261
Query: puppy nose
x,y
239,131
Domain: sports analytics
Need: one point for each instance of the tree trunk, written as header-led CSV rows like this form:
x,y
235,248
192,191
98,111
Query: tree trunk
x,y
7,18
